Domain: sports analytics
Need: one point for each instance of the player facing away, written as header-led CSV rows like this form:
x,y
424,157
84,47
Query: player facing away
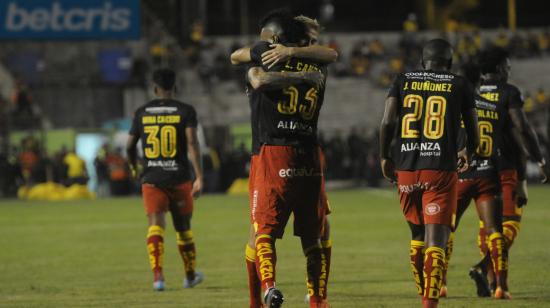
x,y
422,115
480,183
271,57
288,170
495,70
168,132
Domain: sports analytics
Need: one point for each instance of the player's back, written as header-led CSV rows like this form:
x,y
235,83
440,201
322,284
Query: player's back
x,y
491,127
505,96
430,107
161,125
289,116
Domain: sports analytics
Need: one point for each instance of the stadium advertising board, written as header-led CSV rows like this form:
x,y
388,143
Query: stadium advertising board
x,y
69,19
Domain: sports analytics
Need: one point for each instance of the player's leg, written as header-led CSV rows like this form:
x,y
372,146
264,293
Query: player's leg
x,y
490,214
411,205
464,189
416,255
254,283
511,220
270,217
156,203
438,208
326,248
181,209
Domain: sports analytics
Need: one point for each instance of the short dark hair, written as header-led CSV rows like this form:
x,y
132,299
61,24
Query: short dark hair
x,y
290,30
165,78
437,50
491,58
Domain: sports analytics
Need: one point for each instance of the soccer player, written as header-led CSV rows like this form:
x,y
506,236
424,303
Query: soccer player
x,y
288,175
480,182
271,57
426,107
168,131
495,69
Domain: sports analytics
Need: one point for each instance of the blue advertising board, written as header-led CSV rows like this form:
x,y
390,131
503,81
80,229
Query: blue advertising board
x,y
70,19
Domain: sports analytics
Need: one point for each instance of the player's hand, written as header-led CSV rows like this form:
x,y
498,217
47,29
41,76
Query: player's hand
x,y
388,170
464,161
275,55
316,79
522,193
134,173
197,188
542,164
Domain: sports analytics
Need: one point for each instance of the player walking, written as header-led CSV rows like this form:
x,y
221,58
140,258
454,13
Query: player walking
x,y
168,131
426,107
495,69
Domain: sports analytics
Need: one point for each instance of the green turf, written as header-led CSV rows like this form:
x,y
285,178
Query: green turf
x,y
92,254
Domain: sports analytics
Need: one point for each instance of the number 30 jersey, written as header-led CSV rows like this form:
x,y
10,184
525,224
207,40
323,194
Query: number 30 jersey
x,y
430,107
161,124
288,116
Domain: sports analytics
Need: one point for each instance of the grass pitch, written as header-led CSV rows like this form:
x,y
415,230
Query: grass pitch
x,y
92,254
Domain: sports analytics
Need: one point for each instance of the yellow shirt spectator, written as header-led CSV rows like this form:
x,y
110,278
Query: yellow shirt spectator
x,y
76,167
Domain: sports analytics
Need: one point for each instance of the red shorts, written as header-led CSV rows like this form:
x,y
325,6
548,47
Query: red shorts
x,y
287,180
509,183
158,200
480,189
428,196
252,192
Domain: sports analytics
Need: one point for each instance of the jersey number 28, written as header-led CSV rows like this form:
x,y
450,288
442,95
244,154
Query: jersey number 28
x,y
434,119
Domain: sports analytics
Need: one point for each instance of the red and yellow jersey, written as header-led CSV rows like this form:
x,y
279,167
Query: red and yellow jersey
x,y
430,108
288,116
161,124
505,96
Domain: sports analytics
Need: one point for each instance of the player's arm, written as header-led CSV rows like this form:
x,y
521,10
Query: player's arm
x,y
131,152
469,116
262,80
241,56
280,53
194,153
387,127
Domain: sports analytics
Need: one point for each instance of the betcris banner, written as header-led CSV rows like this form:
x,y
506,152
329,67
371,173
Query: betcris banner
x,y
70,19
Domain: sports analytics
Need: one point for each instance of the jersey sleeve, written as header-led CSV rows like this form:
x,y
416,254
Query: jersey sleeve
x,y
468,97
515,99
191,118
257,50
135,129
395,87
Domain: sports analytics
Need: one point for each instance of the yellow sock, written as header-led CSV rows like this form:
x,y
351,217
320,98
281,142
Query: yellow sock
x,y
416,254
186,247
510,230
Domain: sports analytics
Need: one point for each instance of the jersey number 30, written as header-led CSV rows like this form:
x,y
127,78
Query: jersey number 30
x,y
434,120
161,141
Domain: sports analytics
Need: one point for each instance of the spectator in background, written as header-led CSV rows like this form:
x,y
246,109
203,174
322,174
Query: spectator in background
x,y
76,169
410,25
502,39
119,173
528,104
28,159
541,99
102,171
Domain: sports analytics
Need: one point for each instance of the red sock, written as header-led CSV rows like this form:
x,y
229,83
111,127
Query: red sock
x,y
155,249
482,239
434,262
186,247
499,259
266,259
448,253
416,254
254,283
326,247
